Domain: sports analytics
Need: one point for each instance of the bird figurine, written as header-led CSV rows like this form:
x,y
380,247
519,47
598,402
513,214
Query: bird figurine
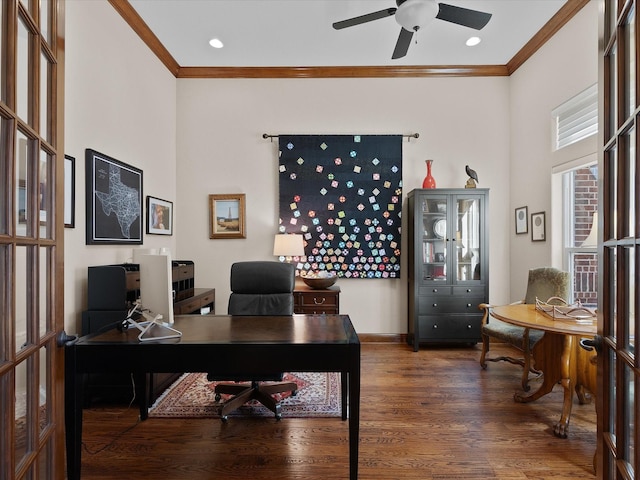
x,y
473,177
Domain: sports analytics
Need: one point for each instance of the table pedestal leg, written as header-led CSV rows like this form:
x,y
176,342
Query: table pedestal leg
x,y
546,353
561,360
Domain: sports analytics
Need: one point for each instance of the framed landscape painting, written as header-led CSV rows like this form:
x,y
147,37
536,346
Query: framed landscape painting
x,y
227,216
114,200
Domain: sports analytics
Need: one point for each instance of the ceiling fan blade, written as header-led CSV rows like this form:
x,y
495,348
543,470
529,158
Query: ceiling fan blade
x,y
369,17
463,16
402,45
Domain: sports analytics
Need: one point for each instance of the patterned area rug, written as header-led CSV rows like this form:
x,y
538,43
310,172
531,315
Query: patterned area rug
x,y
192,396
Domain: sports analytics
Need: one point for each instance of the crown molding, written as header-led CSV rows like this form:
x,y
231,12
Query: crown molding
x,y
566,13
555,23
344,72
135,21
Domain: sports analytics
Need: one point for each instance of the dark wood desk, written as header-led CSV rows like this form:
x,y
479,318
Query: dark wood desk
x,y
260,345
558,355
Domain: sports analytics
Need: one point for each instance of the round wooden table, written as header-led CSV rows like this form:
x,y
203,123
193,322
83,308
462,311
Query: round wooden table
x,y
558,355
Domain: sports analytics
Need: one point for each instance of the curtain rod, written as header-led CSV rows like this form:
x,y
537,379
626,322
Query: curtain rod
x,y
408,137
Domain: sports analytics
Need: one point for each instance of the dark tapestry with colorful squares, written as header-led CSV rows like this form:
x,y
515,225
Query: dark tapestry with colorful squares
x,y
343,193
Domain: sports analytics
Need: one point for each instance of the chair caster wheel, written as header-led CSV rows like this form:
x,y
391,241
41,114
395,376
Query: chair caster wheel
x,y
278,417
224,419
218,397
294,393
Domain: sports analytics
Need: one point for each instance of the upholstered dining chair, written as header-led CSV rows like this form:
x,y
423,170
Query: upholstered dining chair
x,y
544,283
257,288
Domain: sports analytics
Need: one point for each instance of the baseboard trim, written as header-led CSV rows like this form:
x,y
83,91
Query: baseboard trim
x,y
382,337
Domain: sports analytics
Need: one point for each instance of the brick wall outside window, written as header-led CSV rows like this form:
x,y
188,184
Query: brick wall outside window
x,y
585,271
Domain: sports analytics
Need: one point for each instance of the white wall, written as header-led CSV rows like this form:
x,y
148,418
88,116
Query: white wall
x,y
221,150
562,68
121,101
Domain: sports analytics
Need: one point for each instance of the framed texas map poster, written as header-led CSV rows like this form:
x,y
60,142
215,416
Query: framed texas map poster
x,y
114,201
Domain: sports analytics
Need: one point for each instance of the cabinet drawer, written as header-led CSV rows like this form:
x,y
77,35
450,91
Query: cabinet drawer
x,y
317,300
453,328
470,290
320,309
182,272
132,280
187,308
434,290
436,305
207,299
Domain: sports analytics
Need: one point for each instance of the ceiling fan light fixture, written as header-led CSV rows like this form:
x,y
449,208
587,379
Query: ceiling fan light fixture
x,y
413,15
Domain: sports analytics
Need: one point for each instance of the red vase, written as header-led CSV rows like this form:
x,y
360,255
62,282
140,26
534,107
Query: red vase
x,y
429,181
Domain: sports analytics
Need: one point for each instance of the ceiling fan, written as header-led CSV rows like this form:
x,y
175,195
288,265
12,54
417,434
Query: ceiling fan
x,y
412,15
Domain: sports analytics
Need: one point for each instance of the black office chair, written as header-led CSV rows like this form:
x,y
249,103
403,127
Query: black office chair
x,y
257,288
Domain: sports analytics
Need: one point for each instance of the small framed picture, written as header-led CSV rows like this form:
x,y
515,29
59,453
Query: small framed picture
x,y
538,233
522,220
227,216
159,216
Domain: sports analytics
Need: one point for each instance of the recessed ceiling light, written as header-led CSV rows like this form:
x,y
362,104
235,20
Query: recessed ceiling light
x,y
473,41
216,43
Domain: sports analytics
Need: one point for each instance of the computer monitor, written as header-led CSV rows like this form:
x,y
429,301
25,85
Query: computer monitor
x,y
156,287
156,299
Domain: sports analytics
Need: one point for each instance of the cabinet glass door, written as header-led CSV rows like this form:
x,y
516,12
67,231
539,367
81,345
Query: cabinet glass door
x,y
434,238
467,239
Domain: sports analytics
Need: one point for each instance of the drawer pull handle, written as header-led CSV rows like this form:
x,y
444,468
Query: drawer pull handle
x,y
435,304
435,326
315,300
468,290
468,305
469,327
435,290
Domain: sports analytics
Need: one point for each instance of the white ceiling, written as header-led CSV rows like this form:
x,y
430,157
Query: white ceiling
x,y
299,33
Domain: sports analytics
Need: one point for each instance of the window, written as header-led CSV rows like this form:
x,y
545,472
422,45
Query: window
x,y
576,119
580,226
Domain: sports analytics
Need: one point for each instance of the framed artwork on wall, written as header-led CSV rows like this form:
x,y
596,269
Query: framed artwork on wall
x,y
538,232
159,216
114,200
522,220
227,216
69,192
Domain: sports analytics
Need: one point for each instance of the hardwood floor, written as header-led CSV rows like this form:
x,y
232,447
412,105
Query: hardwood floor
x,y
433,414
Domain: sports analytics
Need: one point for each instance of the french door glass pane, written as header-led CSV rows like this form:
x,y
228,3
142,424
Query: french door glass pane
x,y
43,391
45,187
44,324
629,414
22,72
629,183
4,167
611,202
630,62
629,314
613,92
45,19
21,418
22,198
5,273
611,274
45,76
22,298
